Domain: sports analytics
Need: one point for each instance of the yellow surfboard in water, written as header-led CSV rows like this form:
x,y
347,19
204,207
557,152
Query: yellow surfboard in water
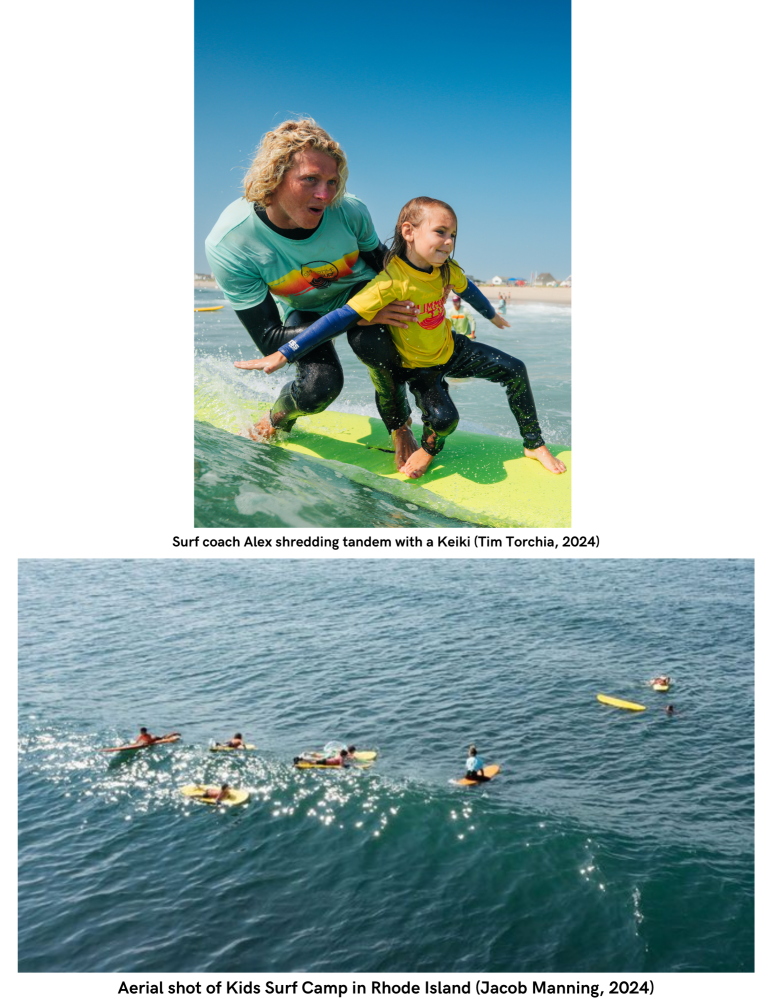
x,y
616,703
479,478
197,791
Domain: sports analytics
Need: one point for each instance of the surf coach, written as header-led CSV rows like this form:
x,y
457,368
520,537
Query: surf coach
x,y
298,236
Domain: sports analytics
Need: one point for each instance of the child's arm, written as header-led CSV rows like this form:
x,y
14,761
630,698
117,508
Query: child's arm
x,y
481,304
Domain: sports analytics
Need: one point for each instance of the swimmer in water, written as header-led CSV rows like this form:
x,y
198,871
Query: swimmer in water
x,y
660,681
474,766
417,267
670,710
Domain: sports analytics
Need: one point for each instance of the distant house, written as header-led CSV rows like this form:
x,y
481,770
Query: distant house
x,y
497,280
566,283
545,279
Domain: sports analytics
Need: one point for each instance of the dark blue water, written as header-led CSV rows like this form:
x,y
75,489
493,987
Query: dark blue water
x,y
611,841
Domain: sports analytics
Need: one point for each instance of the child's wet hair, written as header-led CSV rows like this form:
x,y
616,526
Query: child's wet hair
x,y
414,212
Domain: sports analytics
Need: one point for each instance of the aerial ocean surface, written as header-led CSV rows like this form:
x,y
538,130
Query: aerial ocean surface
x,y
611,841
240,483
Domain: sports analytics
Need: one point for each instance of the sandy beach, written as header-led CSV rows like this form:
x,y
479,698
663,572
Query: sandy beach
x,y
560,296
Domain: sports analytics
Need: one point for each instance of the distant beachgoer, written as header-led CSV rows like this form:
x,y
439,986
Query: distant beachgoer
x,y
419,265
460,321
502,304
298,238
475,766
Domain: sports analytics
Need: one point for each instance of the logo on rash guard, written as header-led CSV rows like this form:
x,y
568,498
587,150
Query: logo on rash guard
x,y
433,314
319,273
293,345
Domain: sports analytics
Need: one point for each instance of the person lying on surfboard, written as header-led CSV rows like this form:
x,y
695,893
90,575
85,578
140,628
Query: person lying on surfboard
x,y
660,681
218,793
474,766
146,739
418,267
341,760
237,742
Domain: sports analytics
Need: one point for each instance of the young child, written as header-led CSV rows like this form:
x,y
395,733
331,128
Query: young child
x,y
475,765
460,322
419,267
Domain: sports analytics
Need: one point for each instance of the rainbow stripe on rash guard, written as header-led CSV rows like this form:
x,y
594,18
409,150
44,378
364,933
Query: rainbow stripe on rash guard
x,y
316,274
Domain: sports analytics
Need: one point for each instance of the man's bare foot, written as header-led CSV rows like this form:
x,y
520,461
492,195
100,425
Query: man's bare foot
x,y
262,431
543,454
405,443
417,464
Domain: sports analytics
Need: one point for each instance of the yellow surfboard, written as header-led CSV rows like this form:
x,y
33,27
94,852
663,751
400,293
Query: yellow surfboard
x,y
233,797
479,478
615,702
310,765
210,308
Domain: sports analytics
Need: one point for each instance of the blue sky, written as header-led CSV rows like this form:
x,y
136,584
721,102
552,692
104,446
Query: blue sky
x,y
471,104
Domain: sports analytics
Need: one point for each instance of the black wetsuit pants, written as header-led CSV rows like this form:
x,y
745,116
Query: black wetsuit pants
x,y
471,359
319,375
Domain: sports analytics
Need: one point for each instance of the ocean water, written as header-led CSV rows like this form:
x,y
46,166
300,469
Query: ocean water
x,y
239,483
611,841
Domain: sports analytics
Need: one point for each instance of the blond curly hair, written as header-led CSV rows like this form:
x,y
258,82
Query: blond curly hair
x,y
275,152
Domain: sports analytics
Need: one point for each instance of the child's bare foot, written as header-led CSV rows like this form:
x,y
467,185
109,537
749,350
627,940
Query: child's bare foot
x,y
404,443
262,431
417,464
543,454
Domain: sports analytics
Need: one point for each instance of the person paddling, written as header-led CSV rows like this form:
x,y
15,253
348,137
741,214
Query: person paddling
x,y
237,742
146,739
217,794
